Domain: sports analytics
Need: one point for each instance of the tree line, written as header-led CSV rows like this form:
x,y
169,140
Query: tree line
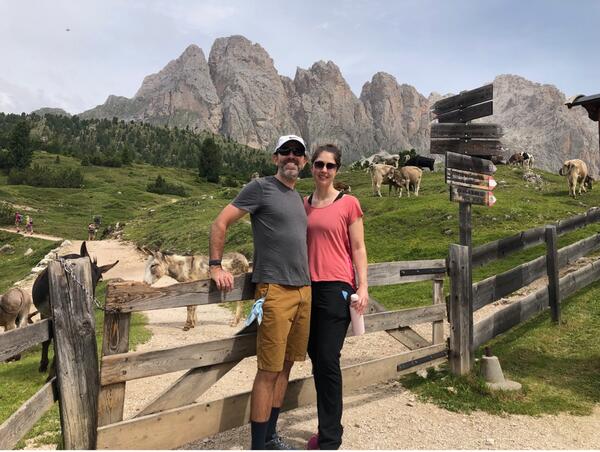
x,y
114,142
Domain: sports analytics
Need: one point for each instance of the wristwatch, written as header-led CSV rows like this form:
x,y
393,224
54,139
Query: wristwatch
x,y
214,262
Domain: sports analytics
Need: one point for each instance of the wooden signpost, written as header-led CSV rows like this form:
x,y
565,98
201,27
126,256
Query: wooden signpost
x,y
470,179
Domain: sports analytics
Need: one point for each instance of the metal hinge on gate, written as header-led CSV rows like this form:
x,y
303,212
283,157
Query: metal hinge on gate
x,y
422,271
422,360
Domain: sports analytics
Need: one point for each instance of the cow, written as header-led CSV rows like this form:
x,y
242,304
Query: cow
x,y
379,172
525,159
516,159
392,161
576,173
420,162
341,186
192,268
406,177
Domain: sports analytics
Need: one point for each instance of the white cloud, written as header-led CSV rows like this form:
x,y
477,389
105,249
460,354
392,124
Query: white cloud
x,y
207,17
6,102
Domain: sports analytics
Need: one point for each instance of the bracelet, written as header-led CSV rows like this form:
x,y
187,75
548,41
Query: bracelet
x,y
214,262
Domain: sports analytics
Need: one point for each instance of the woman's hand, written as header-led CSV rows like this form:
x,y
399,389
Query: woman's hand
x,y
223,279
363,300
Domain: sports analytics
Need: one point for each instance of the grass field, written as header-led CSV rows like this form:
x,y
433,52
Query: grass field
x,y
395,229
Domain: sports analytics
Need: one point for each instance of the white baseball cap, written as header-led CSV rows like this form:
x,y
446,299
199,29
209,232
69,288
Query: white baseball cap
x,y
285,138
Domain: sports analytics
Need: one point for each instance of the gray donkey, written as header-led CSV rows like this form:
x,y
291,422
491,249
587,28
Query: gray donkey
x,y
41,294
14,311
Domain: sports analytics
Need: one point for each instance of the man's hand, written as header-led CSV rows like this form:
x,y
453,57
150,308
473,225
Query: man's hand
x,y
223,279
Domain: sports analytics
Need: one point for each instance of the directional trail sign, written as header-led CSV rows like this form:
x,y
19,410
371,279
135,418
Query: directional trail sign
x,y
470,179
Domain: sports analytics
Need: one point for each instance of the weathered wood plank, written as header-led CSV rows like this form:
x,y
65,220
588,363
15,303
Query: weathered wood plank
x,y
468,113
571,253
133,296
466,131
18,340
23,420
500,248
502,284
464,99
471,147
173,428
129,366
438,299
409,338
188,388
552,266
532,304
111,400
467,163
461,310
75,351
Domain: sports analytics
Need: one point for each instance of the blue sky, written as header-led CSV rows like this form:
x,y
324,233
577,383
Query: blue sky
x,y
444,46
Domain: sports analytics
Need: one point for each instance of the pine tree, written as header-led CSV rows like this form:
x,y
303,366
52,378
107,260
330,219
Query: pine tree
x,y
20,146
210,160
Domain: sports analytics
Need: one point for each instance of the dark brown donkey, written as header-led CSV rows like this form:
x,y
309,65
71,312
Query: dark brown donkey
x,y
41,294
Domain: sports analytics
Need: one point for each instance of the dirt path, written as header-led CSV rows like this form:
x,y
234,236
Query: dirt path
x,y
34,235
382,416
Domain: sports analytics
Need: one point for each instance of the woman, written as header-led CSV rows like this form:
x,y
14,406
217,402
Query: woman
x,y
335,243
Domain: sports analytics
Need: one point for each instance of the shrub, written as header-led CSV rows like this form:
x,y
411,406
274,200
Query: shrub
x,y
7,213
43,176
162,187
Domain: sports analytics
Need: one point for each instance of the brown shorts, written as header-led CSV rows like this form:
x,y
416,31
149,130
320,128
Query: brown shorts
x,y
283,333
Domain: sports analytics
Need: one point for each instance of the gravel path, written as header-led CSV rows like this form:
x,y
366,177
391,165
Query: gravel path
x,y
382,416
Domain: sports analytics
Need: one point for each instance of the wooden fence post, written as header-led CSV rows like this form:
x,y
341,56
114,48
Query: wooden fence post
x,y
115,340
75,352
461,310
552,270
437,335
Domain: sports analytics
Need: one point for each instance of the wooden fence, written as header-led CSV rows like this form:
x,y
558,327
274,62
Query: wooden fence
x,y
170,420
75,385
466,337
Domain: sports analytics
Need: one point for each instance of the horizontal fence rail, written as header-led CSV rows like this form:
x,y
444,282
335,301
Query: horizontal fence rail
x,y
503,247
18,425
129,366
532,304
175,427
495,287
18,340
136,296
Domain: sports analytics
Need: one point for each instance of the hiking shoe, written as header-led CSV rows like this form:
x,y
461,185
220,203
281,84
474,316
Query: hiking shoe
x,y
277,443
313,442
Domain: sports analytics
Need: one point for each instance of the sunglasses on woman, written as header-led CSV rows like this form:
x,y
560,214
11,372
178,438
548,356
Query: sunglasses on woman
x,y
286,151
319,164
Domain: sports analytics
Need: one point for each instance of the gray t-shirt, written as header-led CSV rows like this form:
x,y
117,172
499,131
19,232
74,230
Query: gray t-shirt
x,y
279,229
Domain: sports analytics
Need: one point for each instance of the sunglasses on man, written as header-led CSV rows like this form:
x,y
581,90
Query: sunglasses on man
x,y
319,164
286,151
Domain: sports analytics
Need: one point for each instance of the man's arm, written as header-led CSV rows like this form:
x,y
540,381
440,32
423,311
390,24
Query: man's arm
x,y
229,215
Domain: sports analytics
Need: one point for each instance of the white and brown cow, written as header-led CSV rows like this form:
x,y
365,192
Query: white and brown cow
x,y
406,177
379,173
576,172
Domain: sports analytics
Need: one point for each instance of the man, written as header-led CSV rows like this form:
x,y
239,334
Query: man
x,y
282,279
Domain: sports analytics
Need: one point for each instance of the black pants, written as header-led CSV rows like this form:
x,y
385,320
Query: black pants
x,y
330,317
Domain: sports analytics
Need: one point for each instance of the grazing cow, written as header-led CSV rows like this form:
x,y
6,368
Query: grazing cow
x,y
341,186
379,174
577,173
41,294
516,159
392,161
192,268
406,177
420,162
525,159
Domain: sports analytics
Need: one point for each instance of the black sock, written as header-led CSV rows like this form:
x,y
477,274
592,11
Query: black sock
x,y
259,433
272,428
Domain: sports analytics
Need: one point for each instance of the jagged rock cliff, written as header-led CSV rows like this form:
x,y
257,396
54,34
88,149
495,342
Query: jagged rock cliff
x,y
239,93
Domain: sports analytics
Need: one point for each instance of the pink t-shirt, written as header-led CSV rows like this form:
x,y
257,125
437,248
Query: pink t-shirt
x,y
329,249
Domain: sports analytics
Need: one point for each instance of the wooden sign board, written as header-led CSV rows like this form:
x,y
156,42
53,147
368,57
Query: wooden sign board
x,y
464,100
467,163
470,180
466,131
468,113
471,147
472,196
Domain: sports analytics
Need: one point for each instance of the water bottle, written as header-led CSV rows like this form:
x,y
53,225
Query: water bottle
x,y
358,321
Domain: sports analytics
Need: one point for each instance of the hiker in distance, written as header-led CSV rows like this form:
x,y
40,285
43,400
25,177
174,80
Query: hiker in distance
x,y
282,281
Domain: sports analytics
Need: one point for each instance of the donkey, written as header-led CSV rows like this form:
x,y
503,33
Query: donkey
x,y
192,268
41,294
14,311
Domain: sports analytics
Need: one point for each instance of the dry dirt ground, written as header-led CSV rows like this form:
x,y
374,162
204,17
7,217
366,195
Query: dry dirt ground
x,y
381,416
